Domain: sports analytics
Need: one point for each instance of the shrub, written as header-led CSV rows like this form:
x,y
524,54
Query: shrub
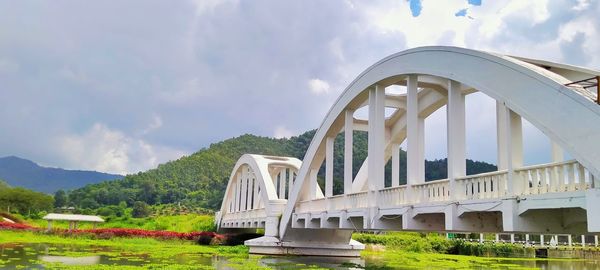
x,y
461,247
206,238
218,240
140,209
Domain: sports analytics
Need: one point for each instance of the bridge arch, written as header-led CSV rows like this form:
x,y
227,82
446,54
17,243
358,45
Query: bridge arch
x,y
558,197
523,88
256,192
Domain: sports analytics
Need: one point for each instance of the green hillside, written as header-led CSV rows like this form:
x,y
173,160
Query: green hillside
x,y
200,179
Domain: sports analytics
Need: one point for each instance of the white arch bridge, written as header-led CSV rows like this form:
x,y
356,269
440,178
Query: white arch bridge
x,y
282,195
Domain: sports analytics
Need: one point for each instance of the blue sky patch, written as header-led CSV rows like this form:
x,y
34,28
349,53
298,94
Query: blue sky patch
x,y
474,2
461,13
415,7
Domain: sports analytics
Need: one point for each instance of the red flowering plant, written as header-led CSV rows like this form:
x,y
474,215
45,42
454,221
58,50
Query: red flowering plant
x,y
124,232
204,238
15,226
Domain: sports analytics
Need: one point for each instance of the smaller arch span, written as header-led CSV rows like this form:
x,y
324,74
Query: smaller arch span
x,y
257,191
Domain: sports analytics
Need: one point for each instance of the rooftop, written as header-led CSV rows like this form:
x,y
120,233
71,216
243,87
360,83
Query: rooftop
x,y
73,217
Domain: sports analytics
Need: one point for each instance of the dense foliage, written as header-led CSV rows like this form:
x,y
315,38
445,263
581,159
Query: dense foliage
x,y
436,243
408,241
200,179
23,201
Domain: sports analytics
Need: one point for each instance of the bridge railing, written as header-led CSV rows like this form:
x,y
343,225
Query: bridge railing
x,y
337,202
244,215
538,179
311,205
553,177
359,199
432,191
393,196
482,186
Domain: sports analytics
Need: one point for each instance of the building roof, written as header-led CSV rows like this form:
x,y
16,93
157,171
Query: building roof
x,y
73,217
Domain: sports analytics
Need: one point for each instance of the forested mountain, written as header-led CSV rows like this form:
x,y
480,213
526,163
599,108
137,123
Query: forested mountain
x,y
200,179
20,172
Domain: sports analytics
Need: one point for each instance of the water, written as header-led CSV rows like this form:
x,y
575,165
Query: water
x,y
47,256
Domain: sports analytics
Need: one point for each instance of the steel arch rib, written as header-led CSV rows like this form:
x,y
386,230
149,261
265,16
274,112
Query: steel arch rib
x,y
539,96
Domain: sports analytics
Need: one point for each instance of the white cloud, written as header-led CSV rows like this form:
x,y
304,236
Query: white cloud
x,y
155,124
282,132
581,5
210,70
318,87
103,149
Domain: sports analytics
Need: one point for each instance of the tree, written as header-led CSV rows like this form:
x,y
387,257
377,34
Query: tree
x,y
60,198
140,209
89,203
25,201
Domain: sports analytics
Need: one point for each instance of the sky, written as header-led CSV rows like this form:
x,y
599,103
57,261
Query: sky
x,y
122,86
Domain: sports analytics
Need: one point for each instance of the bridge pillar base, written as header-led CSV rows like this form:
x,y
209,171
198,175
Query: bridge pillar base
x,y
267,245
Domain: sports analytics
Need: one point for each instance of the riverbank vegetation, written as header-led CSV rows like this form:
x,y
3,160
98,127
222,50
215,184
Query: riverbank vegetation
x,y
436,243
176,223
150,253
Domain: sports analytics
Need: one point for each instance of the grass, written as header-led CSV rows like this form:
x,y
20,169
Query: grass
x,y
167,247
178,223
126,253
149,253
413,260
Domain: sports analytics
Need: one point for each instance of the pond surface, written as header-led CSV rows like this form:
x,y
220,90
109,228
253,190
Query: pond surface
x,y
51,256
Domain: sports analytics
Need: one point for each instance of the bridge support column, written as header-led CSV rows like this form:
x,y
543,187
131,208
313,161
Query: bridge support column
x,y
395,165
290,184
329,166
542,243
376,140
312,183
244,190
510,144
376,150
282,181
455,115
415,127
273,211
238,191
348,145
255,198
